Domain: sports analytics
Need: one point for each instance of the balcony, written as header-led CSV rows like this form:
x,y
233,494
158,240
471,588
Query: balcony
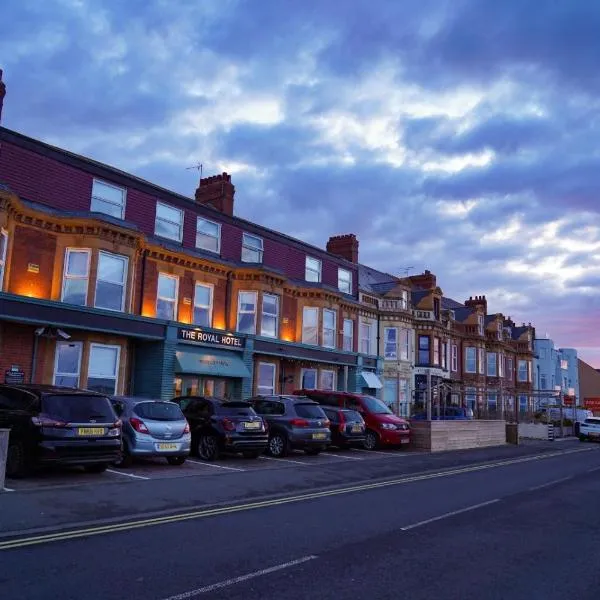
x,y
472,330
424,315
390,305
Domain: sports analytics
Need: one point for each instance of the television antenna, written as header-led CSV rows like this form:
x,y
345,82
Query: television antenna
x,y
407,270
198,168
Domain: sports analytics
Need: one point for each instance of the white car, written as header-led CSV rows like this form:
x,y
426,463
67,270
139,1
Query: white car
x,y
590,429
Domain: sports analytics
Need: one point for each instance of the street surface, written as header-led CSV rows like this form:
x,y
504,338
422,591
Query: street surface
x,y
519,523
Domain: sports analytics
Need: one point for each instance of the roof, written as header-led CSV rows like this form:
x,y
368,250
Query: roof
x,y
449,303
418,295
462,313
378,282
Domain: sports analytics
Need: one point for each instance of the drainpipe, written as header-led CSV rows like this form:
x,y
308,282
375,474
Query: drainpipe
x,y
228,300
36,338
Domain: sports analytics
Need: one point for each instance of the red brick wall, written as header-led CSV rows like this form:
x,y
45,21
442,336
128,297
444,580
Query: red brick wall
x,y
16,348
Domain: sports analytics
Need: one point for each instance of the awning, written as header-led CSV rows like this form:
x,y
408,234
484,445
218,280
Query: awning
x,y
218,364
371,380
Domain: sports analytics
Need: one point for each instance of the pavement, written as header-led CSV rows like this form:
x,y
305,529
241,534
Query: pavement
x,y
509,522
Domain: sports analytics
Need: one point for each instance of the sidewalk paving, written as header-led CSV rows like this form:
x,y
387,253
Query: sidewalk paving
x,y
79,505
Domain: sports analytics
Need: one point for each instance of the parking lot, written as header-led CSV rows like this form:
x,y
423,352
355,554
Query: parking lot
x,y
154,469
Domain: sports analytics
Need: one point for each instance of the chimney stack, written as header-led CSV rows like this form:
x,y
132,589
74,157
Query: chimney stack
x,y
2,94
218,192
478,302
426,280
345,246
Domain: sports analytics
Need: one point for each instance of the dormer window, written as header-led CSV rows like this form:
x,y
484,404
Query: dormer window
x,y
313,269
108,199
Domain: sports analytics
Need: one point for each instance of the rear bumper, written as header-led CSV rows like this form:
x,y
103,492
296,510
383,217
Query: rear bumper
x,y
239,444
152,447
78,452
400,437
307,441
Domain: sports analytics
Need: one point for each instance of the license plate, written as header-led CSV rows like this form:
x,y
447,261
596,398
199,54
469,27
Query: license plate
x,y
168,446
356,428
90,431
319,436
252,425
593,434
404,441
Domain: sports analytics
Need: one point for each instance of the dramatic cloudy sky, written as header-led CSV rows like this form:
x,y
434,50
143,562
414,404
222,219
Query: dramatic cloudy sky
x,y
459,136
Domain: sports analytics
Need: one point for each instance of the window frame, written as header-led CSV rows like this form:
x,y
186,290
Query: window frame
x,y
3,254
307,370
473,359
444,355
93,197
276,315
423,350
480,324
404,343
494,363
258,386
118,363
66,276
454,358
245,246
200,219
350,337
519,363
436,351
175,300
330,330
157,218
308,269
390,355
195,305
316,327
60,344
333,380
125,259
349,281
481,360
239,310
362,339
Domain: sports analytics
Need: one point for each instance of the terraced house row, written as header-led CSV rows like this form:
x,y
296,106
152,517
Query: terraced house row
x,y
111,283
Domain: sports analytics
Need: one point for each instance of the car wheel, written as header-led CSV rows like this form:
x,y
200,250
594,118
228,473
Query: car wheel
x,y
371,440
208,447
252,454
16,461
126,459
176,460
100,468
278,445
313,451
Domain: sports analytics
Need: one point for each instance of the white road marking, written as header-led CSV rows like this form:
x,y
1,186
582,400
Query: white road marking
x,y
594,469
553,482
396,454
207,464
341,456
8,490
126,474
240,579
296,462
450,514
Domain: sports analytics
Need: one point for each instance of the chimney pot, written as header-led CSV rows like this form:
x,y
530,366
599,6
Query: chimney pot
x,y
345,246
218,192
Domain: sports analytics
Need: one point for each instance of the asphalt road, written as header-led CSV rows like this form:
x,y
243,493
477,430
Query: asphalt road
x,y
528,528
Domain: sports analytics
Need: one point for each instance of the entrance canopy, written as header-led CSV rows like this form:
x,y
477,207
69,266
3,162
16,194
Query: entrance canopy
x,y
218,364
371,380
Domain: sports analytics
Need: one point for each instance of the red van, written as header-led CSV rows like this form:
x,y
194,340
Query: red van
x,y
384,428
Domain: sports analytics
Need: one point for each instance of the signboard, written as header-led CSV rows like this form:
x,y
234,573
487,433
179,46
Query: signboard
x,y
569,400
14,375
199,336
592,404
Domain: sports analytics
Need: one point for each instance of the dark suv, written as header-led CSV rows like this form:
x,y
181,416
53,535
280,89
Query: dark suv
x,y
219,426
57,425
295,422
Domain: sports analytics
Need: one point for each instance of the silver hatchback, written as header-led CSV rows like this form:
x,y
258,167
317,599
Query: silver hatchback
x,y
152,428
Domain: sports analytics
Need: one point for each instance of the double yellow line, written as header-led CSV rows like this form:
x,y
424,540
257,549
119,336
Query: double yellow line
x,y
226,510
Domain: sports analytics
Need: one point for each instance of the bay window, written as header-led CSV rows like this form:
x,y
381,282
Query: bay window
x,y
269,323
405,335
522,371
470,359
111,281
246,317
166,296
492,366
203,304
76,276
424,358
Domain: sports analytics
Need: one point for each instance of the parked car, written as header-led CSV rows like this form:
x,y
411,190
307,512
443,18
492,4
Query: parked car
x,y
58,425
223,426
295,423
448,413
589,430
347,427
384,428
152,428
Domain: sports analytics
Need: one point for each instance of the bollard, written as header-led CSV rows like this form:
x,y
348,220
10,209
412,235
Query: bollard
x,y
3,454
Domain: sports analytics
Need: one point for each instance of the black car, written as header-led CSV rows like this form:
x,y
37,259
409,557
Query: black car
x,y
347,427
223,426
58,425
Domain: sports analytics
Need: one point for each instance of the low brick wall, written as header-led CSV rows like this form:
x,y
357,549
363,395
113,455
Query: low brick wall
x,y
536,431
437,436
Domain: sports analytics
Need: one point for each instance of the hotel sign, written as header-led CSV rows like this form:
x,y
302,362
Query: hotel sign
x,y
224,340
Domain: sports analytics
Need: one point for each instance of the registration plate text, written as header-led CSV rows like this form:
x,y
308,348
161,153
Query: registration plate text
x,y
319,436
90,431
356,428
252,425
168,446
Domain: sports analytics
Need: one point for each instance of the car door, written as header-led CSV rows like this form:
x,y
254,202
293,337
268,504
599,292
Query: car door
x,y
16,411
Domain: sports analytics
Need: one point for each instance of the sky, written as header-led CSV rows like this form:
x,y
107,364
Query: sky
x,y
457,136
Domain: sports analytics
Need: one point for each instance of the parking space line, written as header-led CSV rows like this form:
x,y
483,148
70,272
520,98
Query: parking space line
x,y
341,456
379,452
207,464
449,514
126,474
549,483
296,462
8,489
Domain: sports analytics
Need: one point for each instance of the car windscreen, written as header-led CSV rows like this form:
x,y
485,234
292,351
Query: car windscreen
x,y
242,409
158,411
78,408
309,411
351,416
375,406
592,421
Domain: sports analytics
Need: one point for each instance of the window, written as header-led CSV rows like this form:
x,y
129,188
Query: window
x,y
166,296
103,368
310,326
403,402
252,248
492,366
444,355
348,335
108,199
327,380
454,359
564,365
169,222
313,269
470,359
390,335
76,276
203,304
423,349
390,391
501,365
328,328
499,331
67,363
246,317
480,324
266,379
404,300
492,399
543,381
523,403
522,370
481,361
111,281
470,397
436,351
309,379
345,281
269,323
208,235
405,344
436,308
509,368
3,249
365,338
528,370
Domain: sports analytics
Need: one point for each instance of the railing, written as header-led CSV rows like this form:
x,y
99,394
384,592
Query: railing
x,y
393,305
426,315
